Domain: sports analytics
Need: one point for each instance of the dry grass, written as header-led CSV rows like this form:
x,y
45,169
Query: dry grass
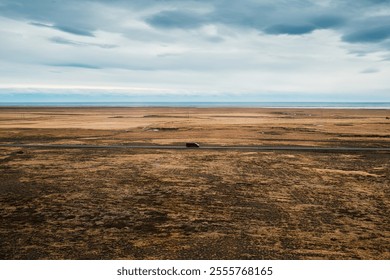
x,y
194,204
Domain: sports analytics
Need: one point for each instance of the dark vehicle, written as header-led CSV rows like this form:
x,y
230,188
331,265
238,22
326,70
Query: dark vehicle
x,y
192,145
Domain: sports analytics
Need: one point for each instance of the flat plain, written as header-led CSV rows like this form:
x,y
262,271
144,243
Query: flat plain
x,y
194,203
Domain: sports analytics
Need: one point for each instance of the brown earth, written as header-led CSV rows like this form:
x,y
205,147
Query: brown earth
x,y
194,204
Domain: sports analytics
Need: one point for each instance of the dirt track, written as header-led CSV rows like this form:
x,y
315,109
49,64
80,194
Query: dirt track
x,y
196,204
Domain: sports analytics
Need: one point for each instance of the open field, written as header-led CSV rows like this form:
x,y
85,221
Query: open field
x,y
194,204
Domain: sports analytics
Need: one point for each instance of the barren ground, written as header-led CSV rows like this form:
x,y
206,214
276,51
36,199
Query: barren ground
x,y
194,204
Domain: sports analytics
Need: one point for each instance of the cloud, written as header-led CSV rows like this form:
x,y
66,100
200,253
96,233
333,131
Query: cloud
x,y
370,71
76,65
356,22
368,35
290,29
204,46
353,20
176,19
74,17
378,1
63,41
41,24
328,21
71,30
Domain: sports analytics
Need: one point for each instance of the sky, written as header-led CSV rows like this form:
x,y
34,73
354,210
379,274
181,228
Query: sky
x,y
194,50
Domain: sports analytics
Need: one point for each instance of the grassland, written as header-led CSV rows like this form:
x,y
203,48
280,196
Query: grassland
x,y
194,204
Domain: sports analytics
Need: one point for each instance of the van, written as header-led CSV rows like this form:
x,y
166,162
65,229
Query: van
x,y
192,145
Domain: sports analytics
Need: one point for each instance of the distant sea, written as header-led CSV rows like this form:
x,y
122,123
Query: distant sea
x,y
335,105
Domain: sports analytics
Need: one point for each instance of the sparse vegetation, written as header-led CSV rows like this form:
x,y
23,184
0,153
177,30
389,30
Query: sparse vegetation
x,y
194,204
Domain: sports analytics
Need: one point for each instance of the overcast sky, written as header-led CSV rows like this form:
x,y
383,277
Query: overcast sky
x,y
195,50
